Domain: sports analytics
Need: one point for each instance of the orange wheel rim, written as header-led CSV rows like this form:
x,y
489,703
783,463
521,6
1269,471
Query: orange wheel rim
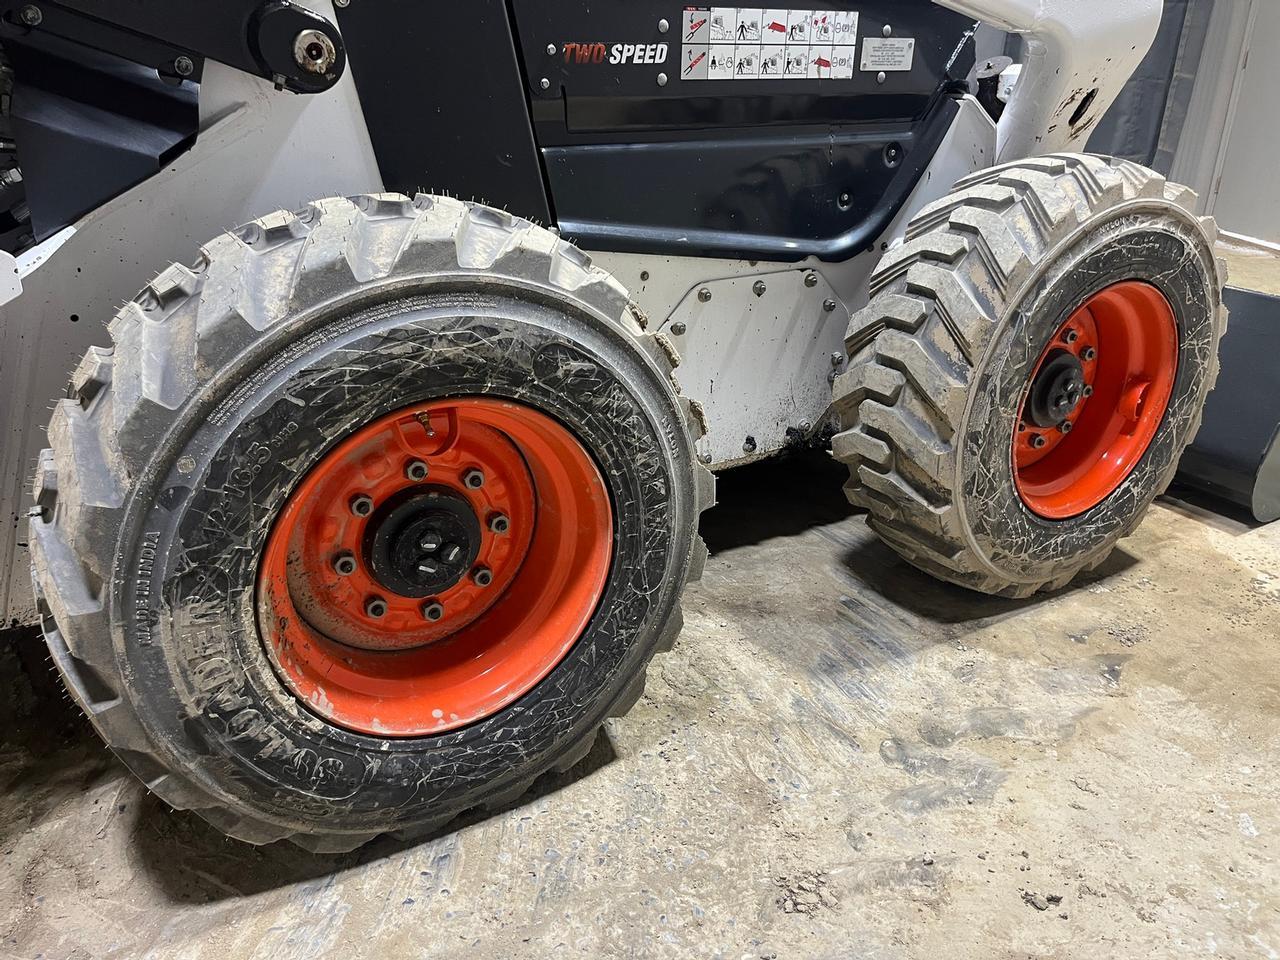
x,y
434,566
1095,399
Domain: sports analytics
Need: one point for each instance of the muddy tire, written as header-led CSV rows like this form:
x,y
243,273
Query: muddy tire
x,y
941,408
229,381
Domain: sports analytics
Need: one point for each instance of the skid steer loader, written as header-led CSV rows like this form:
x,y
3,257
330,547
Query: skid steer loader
x,y
371,509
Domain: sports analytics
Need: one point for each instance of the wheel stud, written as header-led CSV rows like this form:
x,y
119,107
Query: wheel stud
x,y
1038,441
499,523
483,576
361,505
415,470
433,610
1071,335
1087,354
473,478
344,564
375,607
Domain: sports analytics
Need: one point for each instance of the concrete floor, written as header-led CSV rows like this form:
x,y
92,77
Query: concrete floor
x,y
841,758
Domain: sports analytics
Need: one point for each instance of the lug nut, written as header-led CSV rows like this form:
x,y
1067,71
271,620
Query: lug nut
x,y
1088,354
1087,391
499,523
483,576
362,505
415,470
344,564
1038,441
433,610
1021,427
473,478
375,607
1071,335
1065,426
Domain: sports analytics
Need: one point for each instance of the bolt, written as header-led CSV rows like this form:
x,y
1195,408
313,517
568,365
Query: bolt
x,y
375,607
831,377
1021,427
845,200
183,66
341,3
663,26
499,523
31,15
430,541
644,275
1087,391
450,552
749,445
887,31
1065,426
1038,441
758,288
828,305
344,564
678,328
314,52
704,457
433,610
810,279
704,295
551,49
805,426
880,77
361,505
1088,354
483,576
415,470
544,83
662,79
473,478
1071,335
837,359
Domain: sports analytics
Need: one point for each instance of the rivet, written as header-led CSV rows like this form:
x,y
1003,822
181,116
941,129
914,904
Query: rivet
x,y
551,49
887,31
880,77
663,26
662,79
544,83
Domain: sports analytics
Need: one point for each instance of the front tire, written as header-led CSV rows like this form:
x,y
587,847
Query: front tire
x,y
249,635
1033,361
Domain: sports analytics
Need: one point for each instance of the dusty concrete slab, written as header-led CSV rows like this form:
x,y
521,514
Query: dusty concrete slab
x,y
840,758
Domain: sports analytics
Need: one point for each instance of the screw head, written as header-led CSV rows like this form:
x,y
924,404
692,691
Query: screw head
x,y
551,49
432,610
499,523
415,470
344,564
1038,441
473,479
662,79
678,328
828,305
810,279
183,66
1088,354
663,26
544,83
758,288
31,15
375,607
704,295
362,505
483,576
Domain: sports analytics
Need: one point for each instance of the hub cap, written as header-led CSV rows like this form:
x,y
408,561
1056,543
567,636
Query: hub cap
x,y
435,566
1095,400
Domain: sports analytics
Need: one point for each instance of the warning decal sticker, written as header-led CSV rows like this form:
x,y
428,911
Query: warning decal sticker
x,y
763,43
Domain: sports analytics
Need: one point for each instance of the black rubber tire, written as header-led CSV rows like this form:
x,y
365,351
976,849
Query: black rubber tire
x,y
227,381
960,311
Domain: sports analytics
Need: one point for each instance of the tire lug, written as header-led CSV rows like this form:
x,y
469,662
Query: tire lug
x,y
375,607
499,523
416,470
362,505
432,610
483,576
473,479
344,564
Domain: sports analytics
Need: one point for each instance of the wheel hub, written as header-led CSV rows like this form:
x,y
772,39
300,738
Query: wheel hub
x,y
422,541
1056,390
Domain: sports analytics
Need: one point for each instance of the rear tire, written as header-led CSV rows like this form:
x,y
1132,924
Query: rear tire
x,y
228,384
941,362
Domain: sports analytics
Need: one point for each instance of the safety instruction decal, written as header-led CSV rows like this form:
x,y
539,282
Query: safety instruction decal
x,y
755,43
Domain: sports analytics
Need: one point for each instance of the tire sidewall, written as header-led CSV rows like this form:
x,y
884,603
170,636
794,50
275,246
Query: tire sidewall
x,y
1153,246
189,642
